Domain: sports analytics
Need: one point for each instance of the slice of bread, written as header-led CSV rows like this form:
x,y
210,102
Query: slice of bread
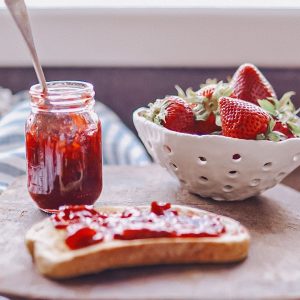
x,y
54,259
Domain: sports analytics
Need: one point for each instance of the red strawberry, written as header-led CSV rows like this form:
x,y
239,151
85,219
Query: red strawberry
x,y
207,126
204,103
284,114
209,95
284,129
173,113
222,89
207,91
241,119
249,84
205,112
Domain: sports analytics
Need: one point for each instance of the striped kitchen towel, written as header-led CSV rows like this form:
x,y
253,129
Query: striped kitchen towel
x,y
120,145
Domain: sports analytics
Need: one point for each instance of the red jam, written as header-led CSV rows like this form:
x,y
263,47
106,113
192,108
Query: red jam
x,y
63,169
86,226
63,148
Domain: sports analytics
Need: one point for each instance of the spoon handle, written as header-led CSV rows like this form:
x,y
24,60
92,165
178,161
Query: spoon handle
x,y
19,13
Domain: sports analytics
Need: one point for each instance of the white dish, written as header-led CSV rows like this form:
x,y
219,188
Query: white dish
x,y
222,168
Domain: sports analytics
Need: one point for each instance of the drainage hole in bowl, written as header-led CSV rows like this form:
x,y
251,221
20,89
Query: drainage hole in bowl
x,y
296,157
267,166
233,173
236,157
167,149
173,166
280,175
202,160
255,182
227,188
182,181
150,144
203,179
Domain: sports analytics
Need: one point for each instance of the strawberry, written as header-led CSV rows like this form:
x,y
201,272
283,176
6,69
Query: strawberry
x,y
215,90
207,91
284,114
173,113
210,92
241,119
284,129
207,126
204,103
249,84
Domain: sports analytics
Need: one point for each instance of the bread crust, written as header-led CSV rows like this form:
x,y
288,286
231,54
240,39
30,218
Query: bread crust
x,y
53,258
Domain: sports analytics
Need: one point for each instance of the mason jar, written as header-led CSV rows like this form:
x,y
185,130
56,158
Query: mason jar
x,y
63,145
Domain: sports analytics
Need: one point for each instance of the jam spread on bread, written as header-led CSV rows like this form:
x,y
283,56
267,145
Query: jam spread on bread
x,y
86,226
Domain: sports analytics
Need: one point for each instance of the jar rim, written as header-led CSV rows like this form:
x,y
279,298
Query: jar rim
x,y
62,88
62,96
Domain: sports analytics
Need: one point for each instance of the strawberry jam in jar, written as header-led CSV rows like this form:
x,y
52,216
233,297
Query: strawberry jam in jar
x,y
63,146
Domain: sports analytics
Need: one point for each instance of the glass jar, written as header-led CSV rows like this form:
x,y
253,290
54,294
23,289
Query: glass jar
x,y
63,146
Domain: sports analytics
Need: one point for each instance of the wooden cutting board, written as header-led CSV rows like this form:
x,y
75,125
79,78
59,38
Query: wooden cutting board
x,y
272,269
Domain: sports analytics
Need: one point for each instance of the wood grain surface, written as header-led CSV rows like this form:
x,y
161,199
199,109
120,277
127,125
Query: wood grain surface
x,y
272,269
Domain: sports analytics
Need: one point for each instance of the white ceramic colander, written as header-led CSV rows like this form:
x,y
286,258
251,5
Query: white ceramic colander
x,y
219,167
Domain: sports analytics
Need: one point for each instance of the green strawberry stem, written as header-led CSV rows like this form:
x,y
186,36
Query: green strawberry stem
x,y
284,111
204,106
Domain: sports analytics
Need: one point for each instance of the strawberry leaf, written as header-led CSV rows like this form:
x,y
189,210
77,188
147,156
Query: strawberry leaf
x,y
271,125
295,128
203,116
284,111
285,103
157,111
271,135
218,120
189,95
260,137
267,106
276,136
180,92
222,89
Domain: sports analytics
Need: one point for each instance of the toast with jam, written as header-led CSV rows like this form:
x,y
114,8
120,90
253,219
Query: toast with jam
x,y
80,240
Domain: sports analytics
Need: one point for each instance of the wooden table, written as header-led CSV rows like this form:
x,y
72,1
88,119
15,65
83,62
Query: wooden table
x,y
272,269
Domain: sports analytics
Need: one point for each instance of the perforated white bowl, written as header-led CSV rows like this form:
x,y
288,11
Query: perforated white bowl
x,y
219,167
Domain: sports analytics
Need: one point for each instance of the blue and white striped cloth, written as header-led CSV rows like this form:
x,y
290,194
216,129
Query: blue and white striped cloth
x,y
120,145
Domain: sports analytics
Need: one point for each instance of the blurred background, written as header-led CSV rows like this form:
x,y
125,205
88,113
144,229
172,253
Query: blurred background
x,y
136,51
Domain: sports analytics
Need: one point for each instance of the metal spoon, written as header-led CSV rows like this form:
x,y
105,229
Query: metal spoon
x,y
19,13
